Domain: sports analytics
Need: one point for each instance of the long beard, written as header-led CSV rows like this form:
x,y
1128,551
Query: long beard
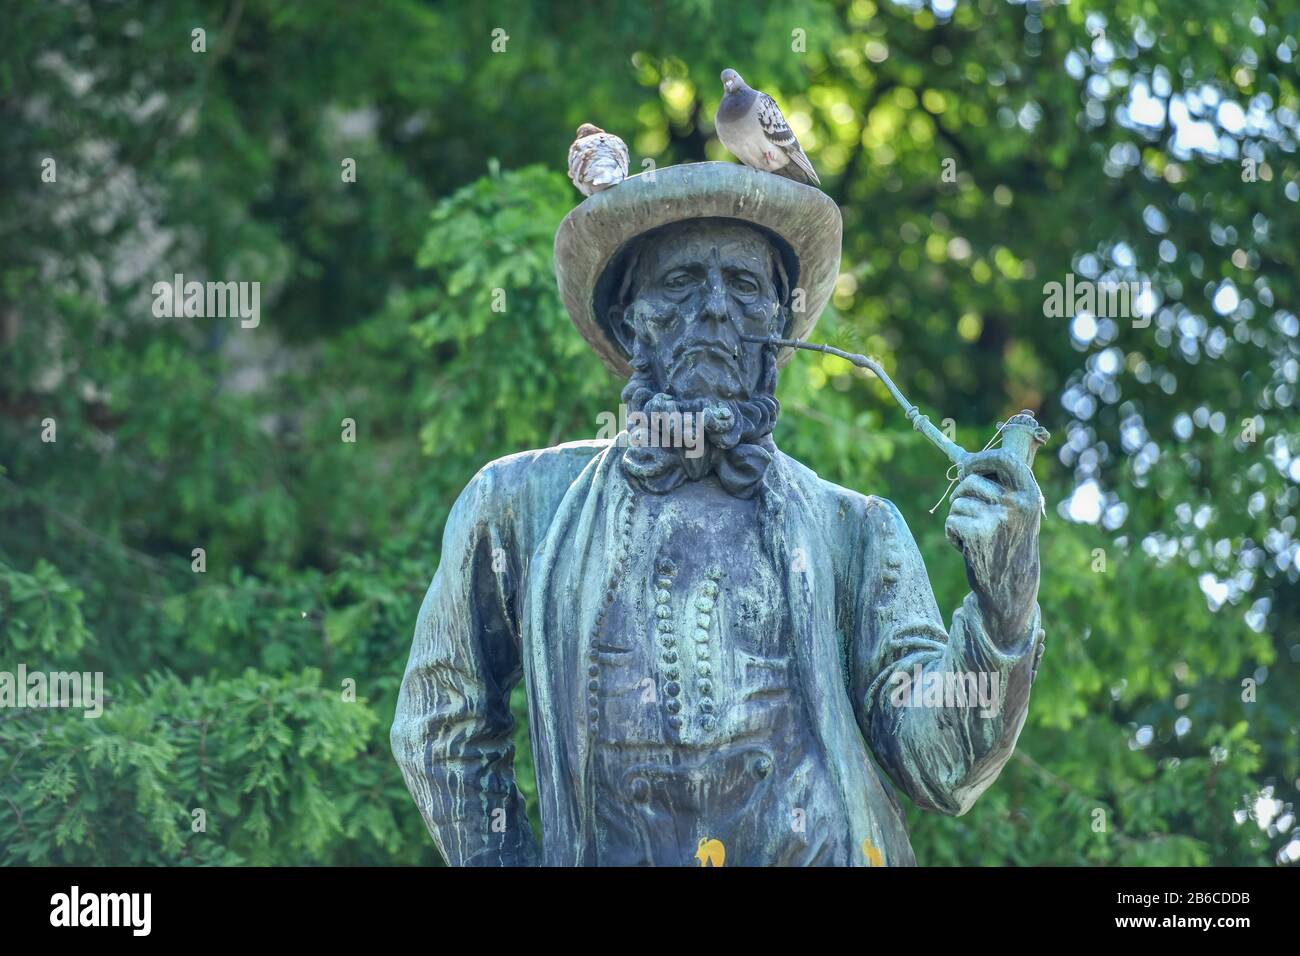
x,y
737,442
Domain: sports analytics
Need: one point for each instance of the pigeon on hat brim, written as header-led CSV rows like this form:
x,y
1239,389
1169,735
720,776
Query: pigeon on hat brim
x,y
594,238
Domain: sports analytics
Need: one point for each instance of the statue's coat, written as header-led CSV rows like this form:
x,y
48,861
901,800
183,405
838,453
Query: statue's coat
x,y
525,566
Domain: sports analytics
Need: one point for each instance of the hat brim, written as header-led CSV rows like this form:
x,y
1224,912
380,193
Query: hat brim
x,y
593,237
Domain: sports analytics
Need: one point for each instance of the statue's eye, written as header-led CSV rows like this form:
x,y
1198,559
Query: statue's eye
x,y
679,280
744,284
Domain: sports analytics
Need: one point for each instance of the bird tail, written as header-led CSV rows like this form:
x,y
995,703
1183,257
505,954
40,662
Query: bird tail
x,y
800,169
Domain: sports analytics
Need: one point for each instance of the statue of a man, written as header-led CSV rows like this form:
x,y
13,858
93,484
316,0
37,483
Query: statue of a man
x,y
727,658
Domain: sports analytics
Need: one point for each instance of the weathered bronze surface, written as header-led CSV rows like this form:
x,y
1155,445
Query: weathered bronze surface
x,y
729,661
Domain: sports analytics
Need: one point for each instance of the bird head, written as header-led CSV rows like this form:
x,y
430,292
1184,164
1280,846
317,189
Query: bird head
x,y
588,129
732,81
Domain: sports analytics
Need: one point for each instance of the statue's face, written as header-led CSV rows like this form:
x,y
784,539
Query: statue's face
x,y
697,287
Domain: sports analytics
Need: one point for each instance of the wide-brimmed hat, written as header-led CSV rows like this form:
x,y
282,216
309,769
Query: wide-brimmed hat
x,y
594,239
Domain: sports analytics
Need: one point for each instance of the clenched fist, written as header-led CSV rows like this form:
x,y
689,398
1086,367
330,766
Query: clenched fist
x,y
993,520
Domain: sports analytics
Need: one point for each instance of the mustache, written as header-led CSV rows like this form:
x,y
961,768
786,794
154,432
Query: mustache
x,y
684,350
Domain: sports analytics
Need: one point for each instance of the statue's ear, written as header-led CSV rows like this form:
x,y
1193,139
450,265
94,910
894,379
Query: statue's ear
x,y
618,320
783,292
784,321
620,327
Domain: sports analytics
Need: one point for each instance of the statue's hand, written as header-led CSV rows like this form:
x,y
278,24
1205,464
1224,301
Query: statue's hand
x,y
993,521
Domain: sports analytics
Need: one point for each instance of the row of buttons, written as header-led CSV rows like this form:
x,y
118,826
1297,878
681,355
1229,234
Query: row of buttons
x,y
667,570
703,670
611,590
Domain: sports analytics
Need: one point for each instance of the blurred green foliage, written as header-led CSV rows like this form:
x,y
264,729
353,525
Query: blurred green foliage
x,y
978,151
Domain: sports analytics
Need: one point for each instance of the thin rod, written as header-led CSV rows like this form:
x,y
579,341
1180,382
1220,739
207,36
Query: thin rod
x,y
955,453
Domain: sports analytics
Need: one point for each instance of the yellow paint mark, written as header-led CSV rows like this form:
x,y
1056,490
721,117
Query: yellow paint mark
x,y
874,856
712,851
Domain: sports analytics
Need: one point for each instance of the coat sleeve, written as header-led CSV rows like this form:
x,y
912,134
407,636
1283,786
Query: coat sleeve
x,y
941,710
452,731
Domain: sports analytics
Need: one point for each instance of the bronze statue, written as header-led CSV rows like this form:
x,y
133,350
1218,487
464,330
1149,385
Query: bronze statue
x,y
728,660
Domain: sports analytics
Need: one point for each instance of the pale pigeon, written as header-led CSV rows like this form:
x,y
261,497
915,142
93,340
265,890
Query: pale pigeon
x,y
597,160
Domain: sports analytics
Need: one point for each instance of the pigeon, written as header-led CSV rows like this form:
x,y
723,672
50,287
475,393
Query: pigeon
x,y
597,160
751,125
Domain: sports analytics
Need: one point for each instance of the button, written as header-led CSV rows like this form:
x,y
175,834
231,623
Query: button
x,y
708,721
706,706
670,657
703,685
674,706
763,766
675,723
672,688
640,789
704,670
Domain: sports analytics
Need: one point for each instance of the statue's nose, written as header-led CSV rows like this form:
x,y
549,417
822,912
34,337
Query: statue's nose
x,y
715,300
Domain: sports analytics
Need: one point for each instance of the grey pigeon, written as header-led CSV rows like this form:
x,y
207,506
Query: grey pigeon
x,y
751,125
597,160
